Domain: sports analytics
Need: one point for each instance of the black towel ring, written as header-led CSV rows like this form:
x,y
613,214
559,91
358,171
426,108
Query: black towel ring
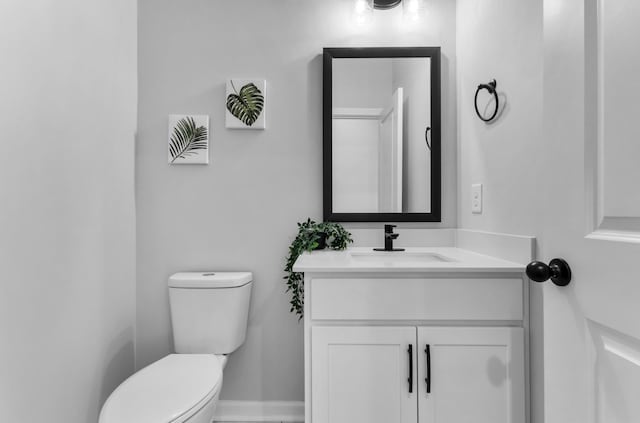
x,y
491,87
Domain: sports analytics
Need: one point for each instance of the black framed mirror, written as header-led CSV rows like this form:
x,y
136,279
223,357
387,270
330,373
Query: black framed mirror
x,y
381,134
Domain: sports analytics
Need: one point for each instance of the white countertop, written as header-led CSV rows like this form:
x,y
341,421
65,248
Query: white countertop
x,y
364,259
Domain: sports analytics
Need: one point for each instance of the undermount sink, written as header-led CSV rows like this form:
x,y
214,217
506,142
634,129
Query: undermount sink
x,y
404,257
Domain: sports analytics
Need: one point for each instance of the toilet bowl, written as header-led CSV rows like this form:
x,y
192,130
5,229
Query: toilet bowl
x,y
209,314
178,388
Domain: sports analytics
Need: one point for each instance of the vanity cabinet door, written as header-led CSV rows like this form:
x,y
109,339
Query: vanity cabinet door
x,y
471,375
362,374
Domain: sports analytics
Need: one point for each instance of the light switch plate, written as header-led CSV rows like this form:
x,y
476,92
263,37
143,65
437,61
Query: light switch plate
x,y
476,198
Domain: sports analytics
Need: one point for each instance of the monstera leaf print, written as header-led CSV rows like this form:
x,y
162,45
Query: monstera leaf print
x,y
187,139
247,104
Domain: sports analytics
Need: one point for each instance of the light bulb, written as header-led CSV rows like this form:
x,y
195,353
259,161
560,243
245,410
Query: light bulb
x,y
361,6
412,9
362,11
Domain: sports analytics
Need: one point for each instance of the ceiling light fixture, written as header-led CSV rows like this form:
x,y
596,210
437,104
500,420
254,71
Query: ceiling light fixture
x,y
385,4
363,9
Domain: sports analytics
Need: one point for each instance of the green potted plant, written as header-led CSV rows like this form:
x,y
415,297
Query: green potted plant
x,y
311,236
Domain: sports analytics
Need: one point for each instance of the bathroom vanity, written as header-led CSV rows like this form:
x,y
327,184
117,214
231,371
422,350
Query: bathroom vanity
x,y
429,335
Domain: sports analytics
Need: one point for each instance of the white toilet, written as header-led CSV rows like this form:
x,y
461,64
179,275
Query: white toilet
x,y
209,315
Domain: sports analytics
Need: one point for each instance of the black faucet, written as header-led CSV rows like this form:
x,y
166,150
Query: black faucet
x,y
389,236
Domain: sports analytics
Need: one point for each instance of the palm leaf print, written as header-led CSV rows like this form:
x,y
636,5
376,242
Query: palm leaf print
x,y
187,139
247,104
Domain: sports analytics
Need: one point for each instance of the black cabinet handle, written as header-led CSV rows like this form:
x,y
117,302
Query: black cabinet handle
x,y
410,351
427,351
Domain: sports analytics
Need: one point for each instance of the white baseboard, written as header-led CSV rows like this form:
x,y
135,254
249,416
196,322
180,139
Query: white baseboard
x,y
259,411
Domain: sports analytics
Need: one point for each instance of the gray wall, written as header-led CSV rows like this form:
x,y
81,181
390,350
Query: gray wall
x,y
67,246
240,212
502,39
359,83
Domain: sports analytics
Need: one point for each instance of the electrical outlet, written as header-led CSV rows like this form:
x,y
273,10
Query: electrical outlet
x,y
476,198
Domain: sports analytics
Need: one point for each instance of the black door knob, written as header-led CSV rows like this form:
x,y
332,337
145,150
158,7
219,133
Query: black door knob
x,y
558,271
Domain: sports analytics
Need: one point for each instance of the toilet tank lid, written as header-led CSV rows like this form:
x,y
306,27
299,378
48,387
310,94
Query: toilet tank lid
x,y
210,279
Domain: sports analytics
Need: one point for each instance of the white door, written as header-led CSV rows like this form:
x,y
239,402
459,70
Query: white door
x,y
390,156
592,217
362,374
471,375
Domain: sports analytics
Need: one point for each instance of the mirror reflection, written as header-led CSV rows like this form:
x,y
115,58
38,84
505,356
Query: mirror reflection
x,y
381,114
382,134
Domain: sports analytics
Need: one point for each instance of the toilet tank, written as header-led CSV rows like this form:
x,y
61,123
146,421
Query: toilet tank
x,y
209,311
